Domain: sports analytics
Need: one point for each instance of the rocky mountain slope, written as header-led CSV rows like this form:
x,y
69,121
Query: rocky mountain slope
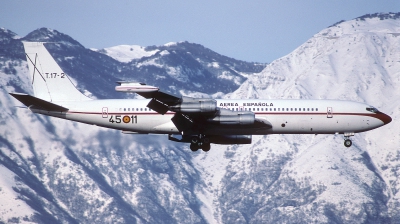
x,y
56,171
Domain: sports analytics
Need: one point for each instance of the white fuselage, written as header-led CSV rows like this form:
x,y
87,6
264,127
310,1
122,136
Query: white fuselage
x,y
285,116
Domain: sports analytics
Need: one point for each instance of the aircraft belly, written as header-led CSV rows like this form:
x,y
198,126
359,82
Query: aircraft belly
x,y
166,128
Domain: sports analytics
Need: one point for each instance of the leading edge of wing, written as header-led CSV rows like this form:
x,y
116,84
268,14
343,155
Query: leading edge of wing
x,y
31,101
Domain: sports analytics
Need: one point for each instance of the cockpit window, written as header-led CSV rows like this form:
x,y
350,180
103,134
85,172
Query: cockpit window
x,y
372,109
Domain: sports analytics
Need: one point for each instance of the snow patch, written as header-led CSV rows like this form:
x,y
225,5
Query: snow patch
x,y
127,53
169,44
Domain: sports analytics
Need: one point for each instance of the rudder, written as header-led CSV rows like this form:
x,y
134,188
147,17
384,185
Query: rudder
x,y
49,81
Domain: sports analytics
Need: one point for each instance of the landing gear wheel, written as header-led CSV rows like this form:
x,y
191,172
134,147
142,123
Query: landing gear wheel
x,y
195,140
206,147
194,147
348,143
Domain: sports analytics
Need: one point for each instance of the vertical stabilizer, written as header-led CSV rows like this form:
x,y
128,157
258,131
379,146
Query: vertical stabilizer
x,y
49,81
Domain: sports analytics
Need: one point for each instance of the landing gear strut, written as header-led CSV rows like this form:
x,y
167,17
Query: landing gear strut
x,y
347,141
200,142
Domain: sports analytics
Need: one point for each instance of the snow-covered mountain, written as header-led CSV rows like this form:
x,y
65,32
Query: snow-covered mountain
x,y
56,171
304,178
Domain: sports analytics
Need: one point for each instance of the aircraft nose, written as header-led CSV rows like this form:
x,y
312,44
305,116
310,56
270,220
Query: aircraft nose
x,y
386,119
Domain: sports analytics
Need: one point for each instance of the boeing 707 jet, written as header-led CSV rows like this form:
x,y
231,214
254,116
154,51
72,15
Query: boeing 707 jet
x,y
198,121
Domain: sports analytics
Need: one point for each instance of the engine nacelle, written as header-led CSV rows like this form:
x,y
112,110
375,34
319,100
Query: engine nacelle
x,y
230,139
195,105
228,117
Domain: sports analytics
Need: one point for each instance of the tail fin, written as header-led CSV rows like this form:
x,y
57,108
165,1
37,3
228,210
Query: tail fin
x,y
49,81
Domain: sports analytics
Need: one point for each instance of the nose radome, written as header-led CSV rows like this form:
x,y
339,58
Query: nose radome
x,y
386,119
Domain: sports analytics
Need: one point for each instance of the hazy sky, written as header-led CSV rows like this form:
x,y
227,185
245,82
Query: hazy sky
x,y
259,31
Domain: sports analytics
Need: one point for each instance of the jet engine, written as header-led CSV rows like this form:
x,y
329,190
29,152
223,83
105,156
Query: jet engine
x,y
195,105
228,117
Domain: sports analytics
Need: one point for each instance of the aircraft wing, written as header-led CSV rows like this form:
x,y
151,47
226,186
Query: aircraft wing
x,y
193,113
166,98
160,100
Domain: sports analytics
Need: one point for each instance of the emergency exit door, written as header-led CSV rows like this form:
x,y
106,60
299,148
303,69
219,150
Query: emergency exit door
x,y
329,112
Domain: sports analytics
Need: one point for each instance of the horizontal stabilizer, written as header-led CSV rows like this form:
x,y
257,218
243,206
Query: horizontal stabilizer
x,y
36,103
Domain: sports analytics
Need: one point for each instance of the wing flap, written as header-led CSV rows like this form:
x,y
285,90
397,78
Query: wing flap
x,y
31,101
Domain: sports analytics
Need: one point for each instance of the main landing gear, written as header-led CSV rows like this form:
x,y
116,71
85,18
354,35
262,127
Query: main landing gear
x,y
200,142
347,141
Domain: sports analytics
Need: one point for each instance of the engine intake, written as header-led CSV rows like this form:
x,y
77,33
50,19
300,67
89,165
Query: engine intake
x,y
195,105
228,117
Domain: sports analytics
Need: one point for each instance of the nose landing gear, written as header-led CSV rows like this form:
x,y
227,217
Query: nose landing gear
x,y
347,141
200,142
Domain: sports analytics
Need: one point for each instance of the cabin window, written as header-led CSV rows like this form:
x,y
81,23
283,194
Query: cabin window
x,y
304,109
308,109
316,109
312,109
258,109
141,109
274,109
372,109
145,109
295,109
129,109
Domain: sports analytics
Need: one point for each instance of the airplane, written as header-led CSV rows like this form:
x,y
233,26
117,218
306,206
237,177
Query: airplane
x,y
198,121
